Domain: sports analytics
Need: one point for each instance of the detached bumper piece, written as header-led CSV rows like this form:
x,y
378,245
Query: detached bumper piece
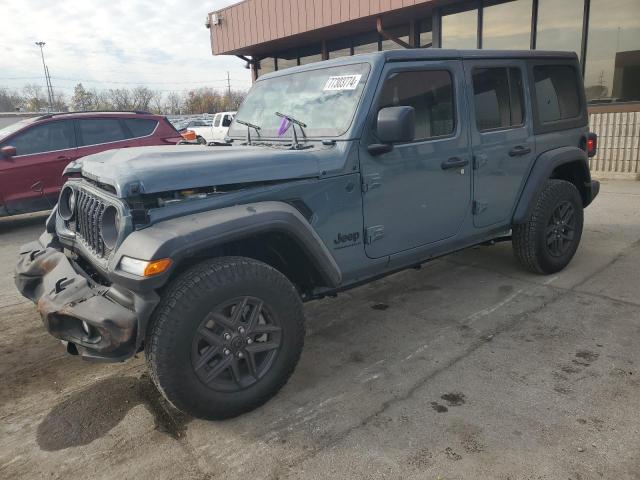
x,y
74,309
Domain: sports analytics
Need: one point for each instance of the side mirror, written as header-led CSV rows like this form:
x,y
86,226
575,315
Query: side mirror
x,y
8,152
396,124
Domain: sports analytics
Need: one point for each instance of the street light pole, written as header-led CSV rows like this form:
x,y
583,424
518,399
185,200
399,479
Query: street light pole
x,y
46,76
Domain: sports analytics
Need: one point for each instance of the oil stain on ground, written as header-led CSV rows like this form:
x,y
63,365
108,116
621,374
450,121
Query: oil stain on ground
x,y
454,399
92,412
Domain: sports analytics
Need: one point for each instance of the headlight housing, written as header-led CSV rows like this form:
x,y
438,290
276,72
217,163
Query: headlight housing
x,y
111,223
67,203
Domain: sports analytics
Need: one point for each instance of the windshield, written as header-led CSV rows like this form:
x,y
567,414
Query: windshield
x,y
14,127
324,99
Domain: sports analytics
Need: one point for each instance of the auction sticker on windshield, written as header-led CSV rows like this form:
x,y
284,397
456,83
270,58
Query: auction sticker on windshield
x,y
342,82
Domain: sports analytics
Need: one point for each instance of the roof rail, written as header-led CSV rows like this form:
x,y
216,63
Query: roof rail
x,y
50,115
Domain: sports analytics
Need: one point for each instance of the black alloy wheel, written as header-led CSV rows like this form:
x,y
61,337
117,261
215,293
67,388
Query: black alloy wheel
x,y
236,344
561,229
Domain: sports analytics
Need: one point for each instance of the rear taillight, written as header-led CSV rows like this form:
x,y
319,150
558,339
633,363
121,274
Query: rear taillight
x,y
592,144
189,135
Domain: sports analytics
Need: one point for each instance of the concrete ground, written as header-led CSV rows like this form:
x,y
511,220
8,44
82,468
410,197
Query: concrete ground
x,y
469,368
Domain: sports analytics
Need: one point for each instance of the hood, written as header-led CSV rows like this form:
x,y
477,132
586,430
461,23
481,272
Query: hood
x,y
166,168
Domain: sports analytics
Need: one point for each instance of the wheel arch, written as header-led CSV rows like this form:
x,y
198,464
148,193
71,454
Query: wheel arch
x,y
566,163
275,233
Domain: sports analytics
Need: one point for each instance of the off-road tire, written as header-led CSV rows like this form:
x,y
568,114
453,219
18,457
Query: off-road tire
x,y
530,238
188,301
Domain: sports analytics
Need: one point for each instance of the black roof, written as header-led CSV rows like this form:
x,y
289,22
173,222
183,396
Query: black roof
x,y
426,54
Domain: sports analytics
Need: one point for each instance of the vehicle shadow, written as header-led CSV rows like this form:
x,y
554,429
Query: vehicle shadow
x,y
85,416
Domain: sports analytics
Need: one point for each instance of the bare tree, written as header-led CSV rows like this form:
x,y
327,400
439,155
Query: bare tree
x,y
119,98
33,97
10,100
173,104
157,104
141,98
82,99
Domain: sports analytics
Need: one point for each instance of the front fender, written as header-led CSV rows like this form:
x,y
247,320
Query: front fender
x,y
190,235
542,170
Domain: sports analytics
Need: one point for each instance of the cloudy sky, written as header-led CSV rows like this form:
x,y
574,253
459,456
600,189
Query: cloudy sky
x,y
114,43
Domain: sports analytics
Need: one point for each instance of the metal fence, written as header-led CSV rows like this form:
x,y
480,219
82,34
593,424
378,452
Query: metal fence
x,y
618,144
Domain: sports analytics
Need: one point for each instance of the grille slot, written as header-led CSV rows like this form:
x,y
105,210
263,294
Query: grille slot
x,y
90,210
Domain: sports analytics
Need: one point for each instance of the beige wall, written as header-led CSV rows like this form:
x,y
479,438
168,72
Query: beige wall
x,y
258,21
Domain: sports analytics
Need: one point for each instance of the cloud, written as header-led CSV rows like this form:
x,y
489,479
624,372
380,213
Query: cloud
x,y
114,43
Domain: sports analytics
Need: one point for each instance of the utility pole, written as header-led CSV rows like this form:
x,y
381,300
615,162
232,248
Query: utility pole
x,y
46,76
228,84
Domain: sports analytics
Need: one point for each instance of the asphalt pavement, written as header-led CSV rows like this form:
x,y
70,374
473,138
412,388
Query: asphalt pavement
x,y
469,368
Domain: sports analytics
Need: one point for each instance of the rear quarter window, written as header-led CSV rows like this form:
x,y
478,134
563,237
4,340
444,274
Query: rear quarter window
x,y
557,92
140,127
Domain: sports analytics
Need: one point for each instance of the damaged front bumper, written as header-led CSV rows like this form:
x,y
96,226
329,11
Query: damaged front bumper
x,y
93,320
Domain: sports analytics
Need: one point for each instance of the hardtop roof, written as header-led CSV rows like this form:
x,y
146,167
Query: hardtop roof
x,y
427,54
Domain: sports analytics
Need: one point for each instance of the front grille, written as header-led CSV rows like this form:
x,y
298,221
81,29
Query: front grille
x,y
90,210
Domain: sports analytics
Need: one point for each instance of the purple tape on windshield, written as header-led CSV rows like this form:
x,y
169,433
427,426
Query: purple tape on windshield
x,y
284,126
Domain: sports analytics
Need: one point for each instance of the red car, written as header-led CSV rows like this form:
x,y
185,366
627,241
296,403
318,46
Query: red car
x,y
35,151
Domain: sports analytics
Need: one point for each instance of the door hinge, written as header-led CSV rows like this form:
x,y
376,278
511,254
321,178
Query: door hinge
x,y
371,234
371,181
479,161
479,207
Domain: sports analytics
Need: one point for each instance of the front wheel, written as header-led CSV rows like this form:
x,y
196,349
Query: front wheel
x,y
547,242
225,338
201,140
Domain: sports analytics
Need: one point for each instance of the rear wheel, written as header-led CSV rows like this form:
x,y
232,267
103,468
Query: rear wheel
x,y
547,242
226,337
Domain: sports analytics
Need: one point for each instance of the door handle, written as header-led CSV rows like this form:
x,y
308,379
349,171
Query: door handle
x,y
519,151
454,162
63,157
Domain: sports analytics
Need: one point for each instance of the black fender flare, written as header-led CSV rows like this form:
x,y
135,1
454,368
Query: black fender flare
x,y
183,237
541,171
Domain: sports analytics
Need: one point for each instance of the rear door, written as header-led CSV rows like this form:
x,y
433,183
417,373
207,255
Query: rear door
x,y
418,193
32,179
501,137
99,134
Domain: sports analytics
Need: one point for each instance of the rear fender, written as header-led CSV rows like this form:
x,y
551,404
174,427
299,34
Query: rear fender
x,y
543,169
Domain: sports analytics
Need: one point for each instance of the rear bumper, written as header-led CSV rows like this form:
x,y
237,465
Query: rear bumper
x,y
593,188
66,297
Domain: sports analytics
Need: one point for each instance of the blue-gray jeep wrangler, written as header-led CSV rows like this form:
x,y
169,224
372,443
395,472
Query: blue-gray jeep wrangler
x,y
338,173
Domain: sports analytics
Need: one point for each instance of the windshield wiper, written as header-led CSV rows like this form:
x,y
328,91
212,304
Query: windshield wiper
x,y
249,127
294,122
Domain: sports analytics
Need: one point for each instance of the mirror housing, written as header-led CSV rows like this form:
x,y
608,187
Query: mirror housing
x,y
396,124
8,151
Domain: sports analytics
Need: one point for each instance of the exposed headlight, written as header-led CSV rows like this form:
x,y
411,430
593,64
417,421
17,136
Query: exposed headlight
x,y
144,268
67,203
110,226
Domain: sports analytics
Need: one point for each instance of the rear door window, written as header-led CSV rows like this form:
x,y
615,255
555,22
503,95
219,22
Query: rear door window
x,y
140,127
557,90
216,121
94,131
430,93
46,137
498,98
226,120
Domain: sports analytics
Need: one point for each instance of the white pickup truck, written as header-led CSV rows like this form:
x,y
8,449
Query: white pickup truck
x,y
213,132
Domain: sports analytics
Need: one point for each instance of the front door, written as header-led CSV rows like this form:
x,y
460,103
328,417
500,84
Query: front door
x,y
502,138
419,192
32,179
